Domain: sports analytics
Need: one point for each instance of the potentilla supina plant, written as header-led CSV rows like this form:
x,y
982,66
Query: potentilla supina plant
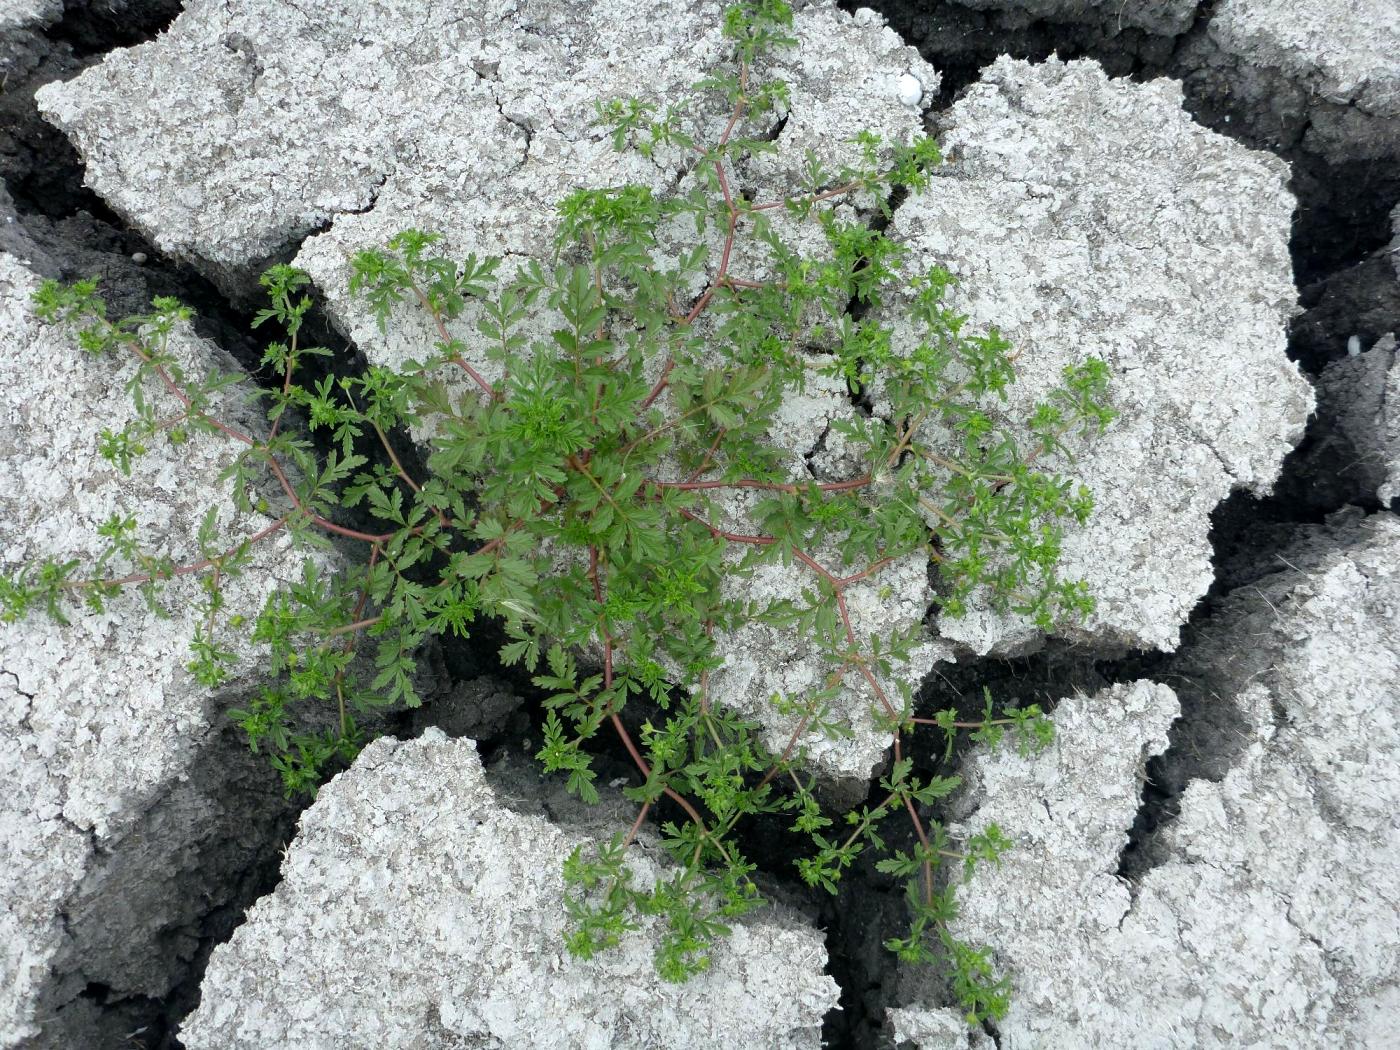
x,y
576,501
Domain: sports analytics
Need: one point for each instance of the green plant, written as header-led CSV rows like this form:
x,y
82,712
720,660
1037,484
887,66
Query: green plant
x,y
575,499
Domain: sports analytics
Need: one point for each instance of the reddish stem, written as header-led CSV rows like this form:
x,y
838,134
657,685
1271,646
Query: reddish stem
x,y
316,519
709,455
733,537
671,793
185,400
766,486
358,625
636,825
926,866
620,729
458,360
286,389
273,465
182,570
721,277
815,198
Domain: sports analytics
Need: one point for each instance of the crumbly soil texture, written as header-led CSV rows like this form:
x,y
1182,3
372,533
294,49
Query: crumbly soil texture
x,y
1349,298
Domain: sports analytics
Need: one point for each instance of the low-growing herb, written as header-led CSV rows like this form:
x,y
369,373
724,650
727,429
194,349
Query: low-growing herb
x,y
611,412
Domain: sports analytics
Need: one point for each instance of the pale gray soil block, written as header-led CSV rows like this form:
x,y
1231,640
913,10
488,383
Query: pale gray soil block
x,y
1266,913
250,125
421,907
1324,74
1085,216
119,798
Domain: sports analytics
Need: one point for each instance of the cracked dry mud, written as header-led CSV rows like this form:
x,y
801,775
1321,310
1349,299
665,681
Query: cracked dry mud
x,y
1204,195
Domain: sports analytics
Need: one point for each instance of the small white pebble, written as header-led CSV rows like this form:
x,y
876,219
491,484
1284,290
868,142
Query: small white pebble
x,y
1354,346
138,258
911,90
618,783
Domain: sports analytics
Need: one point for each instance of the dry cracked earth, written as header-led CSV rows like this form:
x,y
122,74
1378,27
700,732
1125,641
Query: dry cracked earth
x,y
1204,195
